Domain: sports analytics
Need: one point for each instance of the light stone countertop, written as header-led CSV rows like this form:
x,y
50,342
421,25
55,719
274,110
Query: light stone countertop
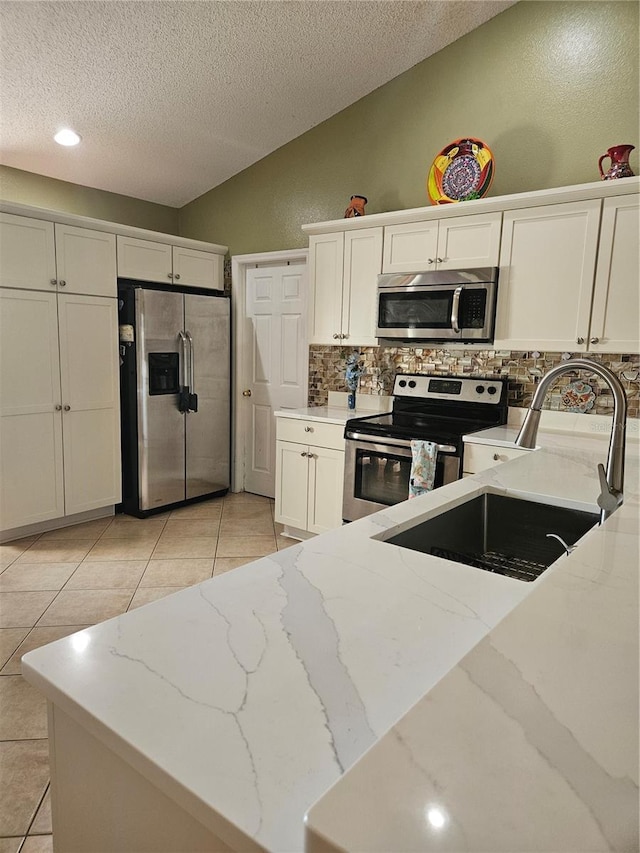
x,y
284,672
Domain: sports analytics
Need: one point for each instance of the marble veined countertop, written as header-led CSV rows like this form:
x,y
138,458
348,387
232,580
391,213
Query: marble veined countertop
x,y
251,694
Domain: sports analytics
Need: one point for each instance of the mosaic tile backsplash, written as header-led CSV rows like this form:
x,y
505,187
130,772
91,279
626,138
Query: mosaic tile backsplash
x,y
522,369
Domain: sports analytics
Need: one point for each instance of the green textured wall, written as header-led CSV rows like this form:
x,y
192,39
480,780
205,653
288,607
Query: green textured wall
x,y
548,85
40,191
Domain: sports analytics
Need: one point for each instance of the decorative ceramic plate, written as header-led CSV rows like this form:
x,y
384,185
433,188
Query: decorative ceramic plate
x,y
578,397
462,171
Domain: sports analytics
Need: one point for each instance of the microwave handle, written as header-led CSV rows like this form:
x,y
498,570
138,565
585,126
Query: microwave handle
x,y
455,309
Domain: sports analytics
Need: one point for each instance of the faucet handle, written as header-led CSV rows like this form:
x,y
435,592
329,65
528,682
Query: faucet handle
x,y
609,498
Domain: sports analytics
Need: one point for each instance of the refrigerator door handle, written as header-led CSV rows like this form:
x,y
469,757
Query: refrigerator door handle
x,y
193,397
183,395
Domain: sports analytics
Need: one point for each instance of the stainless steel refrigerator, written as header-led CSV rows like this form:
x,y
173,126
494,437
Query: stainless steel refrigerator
x,y
175,395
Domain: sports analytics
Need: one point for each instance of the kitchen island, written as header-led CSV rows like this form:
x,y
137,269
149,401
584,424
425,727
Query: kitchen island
x,y
215,718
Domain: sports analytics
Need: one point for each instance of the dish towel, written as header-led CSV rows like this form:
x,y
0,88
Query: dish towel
x,y
423,467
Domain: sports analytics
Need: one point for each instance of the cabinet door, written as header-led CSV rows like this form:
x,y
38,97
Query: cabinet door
x,y
86,261
197,269
31,483
616,305
90,388
547,266
410,248
326,253
362,265
292,477
465,242
326,476
144,260
27,253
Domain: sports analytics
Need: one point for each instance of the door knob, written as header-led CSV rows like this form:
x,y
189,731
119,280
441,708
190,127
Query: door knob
x,y
247,393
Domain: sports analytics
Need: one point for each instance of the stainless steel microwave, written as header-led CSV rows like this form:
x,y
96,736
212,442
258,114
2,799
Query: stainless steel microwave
x,y
443,305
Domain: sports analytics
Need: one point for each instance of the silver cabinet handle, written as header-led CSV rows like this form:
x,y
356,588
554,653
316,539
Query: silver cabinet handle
x,y
53,281
455,309
63,283
594,341
58,407
67,408
308,429
580,340
177,276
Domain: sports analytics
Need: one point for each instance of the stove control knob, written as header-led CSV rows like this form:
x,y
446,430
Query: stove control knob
x,y
479,389
412,383
492,389
402,383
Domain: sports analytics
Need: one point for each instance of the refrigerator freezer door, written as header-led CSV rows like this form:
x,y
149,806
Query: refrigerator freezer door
x,y
161,425
208,429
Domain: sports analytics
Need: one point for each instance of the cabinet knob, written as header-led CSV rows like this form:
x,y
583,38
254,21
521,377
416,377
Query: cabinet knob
x,y
58,407
63,283
496,457
169,275
247,393
67,408
344,336
335,337
579,340
308,429
594,340
177,276
440,260
304,453
430,261
53,281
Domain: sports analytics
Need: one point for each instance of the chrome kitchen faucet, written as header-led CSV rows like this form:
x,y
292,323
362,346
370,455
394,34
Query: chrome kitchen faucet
x,y
611,483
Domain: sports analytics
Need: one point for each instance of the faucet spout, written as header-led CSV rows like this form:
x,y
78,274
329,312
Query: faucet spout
x,y
611,481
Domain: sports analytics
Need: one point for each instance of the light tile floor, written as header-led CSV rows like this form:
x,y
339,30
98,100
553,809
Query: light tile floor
x,y
60,582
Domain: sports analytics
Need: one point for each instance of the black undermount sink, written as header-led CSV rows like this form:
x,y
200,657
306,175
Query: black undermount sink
x,y
500,534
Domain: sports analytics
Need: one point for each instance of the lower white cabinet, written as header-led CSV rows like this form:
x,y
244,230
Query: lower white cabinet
x,y
309,476
60,413
479,457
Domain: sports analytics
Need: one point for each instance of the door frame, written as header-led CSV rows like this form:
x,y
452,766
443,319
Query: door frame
x,y
239,266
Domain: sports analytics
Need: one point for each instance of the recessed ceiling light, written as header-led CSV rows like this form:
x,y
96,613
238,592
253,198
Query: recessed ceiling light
x,y
67,137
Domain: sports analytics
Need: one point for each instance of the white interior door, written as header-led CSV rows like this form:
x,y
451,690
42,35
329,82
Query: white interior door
x,y
277,364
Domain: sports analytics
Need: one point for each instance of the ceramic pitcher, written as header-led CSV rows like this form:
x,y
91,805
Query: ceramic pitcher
x,y
619,168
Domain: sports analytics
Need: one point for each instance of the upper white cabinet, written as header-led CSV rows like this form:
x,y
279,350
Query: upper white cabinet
x,y
615,320
146,260
458,242
39,255
343,274
547,265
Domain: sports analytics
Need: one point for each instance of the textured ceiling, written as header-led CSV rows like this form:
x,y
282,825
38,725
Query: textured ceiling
x,y
174,97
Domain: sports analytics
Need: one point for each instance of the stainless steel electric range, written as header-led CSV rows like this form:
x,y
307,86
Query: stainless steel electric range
x,y
440,409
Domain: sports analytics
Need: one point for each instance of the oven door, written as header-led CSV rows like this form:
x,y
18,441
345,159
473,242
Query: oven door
x,y
377,472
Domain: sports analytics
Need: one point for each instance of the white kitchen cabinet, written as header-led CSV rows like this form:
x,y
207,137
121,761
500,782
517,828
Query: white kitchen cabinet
x,y
458,242
547,266
309,476
343,276
478,457
615,319
146,260
59,412
39,255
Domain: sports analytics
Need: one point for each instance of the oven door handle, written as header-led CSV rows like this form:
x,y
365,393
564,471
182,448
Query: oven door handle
x,y
455,308
395,442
